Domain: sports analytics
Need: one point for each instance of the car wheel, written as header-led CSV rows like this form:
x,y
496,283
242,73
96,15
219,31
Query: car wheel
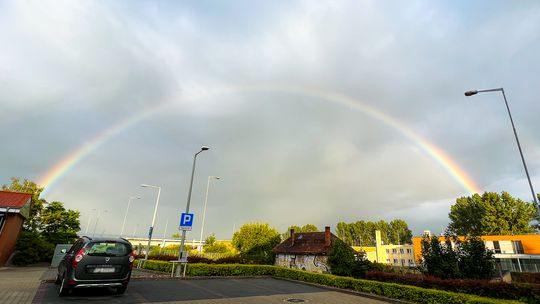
x,y
121,290
64,290
57,281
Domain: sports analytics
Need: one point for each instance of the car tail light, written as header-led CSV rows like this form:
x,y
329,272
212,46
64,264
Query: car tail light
x,y
78,257
131,259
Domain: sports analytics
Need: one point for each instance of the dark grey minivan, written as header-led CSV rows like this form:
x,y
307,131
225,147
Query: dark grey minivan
x,y
96,262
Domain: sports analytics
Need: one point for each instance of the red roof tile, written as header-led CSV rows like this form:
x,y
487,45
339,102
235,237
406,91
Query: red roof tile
x,y
15,200
306,243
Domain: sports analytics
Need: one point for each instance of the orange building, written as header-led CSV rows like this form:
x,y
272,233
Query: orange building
x,y
14,209
519,253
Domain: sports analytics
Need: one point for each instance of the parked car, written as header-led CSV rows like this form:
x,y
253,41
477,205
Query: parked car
x,y
96,262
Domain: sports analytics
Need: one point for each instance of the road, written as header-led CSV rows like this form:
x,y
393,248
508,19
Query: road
x,y
199,291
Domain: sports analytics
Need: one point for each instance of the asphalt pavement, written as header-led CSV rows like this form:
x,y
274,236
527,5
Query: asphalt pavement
x,y
199,291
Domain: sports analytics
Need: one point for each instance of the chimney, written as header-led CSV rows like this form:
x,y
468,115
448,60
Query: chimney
x,y
292,237
327,238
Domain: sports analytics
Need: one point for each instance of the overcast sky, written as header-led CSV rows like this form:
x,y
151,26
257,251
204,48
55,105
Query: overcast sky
x,y
251,80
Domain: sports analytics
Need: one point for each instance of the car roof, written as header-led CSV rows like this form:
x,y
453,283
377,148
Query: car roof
x,y
104,239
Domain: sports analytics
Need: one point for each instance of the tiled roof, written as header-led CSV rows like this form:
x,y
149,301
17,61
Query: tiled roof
x,y
15,200
306,243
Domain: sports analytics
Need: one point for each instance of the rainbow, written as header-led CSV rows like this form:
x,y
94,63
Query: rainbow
x,y
53,175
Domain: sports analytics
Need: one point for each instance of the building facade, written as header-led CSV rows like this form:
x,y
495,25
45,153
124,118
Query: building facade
x,y
307,251
14,209
390,254
515,253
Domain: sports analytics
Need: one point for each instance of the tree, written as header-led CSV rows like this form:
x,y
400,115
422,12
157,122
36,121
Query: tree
x,y
467,258
399,232
438,259
475,261
341,258
490,214
59,225
362,233
45,227
255,242
210,240
33,222
305,228
344,261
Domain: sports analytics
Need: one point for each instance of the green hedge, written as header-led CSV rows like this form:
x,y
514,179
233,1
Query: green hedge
x,y
390,290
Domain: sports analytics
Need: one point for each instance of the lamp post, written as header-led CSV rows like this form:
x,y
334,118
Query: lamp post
x,y
203,148
471,93
97,219
204,211
125,216
88,224
151,230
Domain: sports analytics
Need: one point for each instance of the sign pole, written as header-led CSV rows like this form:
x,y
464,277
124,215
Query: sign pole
x,y
178,270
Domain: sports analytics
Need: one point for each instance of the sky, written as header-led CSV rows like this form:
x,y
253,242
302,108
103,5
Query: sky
x,y
315,112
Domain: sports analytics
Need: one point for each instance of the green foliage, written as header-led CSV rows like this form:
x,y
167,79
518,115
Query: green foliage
x,y
255,242
33,222
60,226
221,248
491,214
439,260
475,261
390,290
176,236
31,248
47,225
341,258
344,261
305,228
210,240
362,233
468,259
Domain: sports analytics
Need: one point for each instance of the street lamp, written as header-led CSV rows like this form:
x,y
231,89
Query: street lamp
x,y
125,216
471,93
97,219
88,224
153,219
203,148
204,212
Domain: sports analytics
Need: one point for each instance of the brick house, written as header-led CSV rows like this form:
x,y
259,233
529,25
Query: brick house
x,y
14,209
306,251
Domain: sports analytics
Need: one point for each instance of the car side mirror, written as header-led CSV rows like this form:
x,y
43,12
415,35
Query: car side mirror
x,y
63,250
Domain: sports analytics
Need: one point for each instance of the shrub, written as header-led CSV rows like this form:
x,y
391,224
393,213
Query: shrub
x,y
341,258
31,248
525,292
526,277
192,259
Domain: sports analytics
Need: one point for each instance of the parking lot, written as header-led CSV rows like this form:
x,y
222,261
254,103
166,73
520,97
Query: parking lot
x,y
220,290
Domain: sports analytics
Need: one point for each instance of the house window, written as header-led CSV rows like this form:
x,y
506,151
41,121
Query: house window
x,y
2,220
394,250
410,262
518,247
402,262
388,261
395,261
497,247
401,250
387,250
409,250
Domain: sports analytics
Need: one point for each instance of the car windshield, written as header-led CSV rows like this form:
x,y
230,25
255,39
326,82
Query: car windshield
x,y
107,249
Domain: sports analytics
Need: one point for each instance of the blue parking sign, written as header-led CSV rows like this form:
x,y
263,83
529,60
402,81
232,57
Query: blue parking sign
x,y
186,221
